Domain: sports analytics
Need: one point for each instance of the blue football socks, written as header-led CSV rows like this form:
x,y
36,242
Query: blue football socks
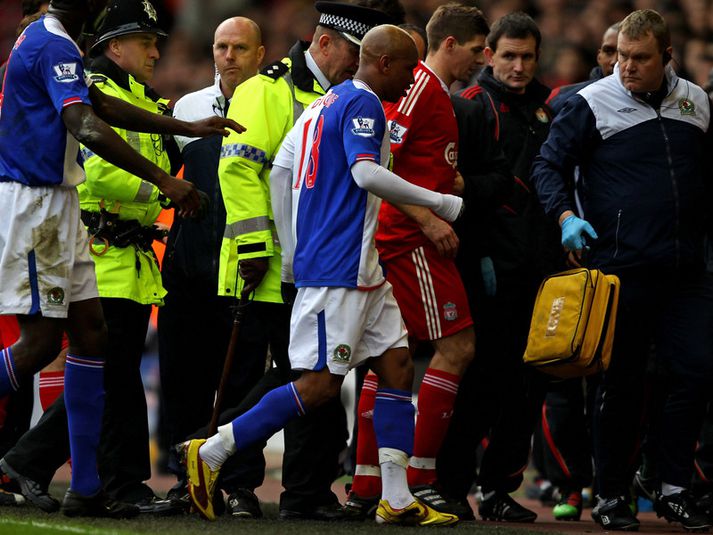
x,y
394,419
8,379
271,414
84,398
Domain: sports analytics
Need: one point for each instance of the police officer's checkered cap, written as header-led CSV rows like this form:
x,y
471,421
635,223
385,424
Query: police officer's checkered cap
x,y
350,19
343,24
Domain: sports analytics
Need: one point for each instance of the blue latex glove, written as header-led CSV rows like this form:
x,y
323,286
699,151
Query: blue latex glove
x,y
487,270
574,230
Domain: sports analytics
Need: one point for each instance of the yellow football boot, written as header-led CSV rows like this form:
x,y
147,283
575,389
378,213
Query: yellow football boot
x,y
201,480
415,514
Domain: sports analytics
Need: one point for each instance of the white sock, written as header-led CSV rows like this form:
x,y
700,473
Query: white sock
x,y
394,487
668,490
219,447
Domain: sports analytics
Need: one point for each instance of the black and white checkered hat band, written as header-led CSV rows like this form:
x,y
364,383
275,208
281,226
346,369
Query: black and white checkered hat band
x,y
343,24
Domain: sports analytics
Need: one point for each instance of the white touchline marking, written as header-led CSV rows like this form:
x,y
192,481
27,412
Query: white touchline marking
x,y
56,527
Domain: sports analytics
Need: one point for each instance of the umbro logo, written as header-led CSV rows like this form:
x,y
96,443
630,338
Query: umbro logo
x,y
626,110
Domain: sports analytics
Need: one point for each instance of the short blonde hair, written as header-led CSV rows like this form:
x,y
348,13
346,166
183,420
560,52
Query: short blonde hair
x,y
644,21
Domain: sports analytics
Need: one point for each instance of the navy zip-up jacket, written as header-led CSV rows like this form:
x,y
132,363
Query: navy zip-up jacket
x,y
645,180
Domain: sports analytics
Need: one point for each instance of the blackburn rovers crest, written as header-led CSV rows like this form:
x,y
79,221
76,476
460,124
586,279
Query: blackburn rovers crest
x,y
342,353
55,296
687,107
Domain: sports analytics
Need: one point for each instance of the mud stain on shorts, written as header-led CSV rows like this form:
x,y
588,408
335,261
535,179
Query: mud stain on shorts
x,y
48,249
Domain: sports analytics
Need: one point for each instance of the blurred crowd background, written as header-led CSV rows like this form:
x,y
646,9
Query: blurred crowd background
x,y
571,31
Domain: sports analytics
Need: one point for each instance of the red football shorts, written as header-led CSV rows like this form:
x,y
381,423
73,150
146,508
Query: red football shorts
x,y
430,293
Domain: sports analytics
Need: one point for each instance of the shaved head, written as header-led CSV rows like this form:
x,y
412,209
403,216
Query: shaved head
x,y
240,24
387,40
388,58
237,52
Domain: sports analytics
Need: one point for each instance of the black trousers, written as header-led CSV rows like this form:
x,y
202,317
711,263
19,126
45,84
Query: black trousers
x,y
567,432
19,415
313,443
193,333
498,398
673,309
703,478
124,462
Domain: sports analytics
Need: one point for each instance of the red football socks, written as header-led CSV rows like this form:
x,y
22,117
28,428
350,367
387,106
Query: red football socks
x,y
435,408
367,475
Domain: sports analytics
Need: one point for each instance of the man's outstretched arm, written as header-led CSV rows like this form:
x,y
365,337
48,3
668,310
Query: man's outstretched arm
x,y
98,136
121,114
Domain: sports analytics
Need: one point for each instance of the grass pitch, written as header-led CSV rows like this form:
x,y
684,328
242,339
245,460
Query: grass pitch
x,y
26,520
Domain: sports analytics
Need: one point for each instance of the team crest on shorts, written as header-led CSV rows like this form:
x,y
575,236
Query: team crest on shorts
x,y
55,296
450,312
342,353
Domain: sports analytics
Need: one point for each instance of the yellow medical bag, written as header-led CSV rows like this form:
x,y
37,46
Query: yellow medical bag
x,y
573,322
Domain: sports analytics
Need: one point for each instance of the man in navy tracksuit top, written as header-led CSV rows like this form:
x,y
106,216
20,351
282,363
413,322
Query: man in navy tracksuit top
x,y
639,138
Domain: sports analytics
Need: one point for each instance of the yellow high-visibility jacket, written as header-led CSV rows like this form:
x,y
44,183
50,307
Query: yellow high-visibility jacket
x,y
125,272
267,105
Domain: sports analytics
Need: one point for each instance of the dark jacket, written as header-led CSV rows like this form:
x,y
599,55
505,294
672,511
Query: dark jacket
x,y
561,94
487,178
644,172
190,264
522,242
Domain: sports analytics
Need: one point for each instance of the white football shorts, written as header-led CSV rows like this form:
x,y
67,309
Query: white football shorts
x,y
44,251
341,327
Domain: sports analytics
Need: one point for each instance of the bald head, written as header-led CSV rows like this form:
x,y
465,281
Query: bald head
x,y
387,40
237,52
388,58
239,24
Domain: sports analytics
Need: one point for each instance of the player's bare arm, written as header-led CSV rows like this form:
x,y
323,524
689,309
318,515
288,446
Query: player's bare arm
x,y
121,114
440,233
90,130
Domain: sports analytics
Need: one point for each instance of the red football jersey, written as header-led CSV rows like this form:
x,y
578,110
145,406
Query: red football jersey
x,y
424,144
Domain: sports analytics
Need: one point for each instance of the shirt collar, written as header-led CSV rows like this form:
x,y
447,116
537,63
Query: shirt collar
x,y
443,84
316,72
221,103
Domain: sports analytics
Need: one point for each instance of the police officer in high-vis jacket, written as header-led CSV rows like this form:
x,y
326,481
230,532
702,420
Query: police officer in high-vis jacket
x,y
270,103
120,210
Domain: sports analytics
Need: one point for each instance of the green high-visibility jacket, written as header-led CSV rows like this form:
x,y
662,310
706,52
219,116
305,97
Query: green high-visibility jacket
x,y
267,105
125,272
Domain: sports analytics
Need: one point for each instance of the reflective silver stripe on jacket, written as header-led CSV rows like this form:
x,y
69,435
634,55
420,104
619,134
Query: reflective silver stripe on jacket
x,y
247,226
242,150
86,153
144,193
